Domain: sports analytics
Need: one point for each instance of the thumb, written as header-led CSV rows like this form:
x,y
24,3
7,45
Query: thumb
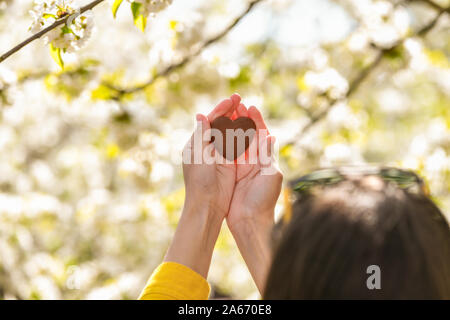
x,y
203,126
267,152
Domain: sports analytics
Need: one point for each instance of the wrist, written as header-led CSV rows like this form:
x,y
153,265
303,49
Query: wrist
x,y
203,212
205,205
246,225
252,237
195,237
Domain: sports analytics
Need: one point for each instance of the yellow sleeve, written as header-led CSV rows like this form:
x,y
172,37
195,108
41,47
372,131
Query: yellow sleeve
x,y
174,281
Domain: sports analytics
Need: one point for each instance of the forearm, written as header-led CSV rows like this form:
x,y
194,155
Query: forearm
x,y
253,240
195,237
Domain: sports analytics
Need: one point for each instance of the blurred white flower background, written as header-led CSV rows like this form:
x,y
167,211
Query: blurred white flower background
x,y
90,155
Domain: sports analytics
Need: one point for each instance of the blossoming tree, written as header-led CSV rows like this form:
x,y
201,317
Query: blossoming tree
x,y
91,133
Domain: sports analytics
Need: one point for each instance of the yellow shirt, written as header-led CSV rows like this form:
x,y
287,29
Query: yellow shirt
x,y
174,281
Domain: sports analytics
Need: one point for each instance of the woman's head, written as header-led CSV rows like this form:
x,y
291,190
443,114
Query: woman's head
x,y
341,228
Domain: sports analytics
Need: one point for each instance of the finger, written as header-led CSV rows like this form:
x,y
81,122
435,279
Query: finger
x,y
203,119
236,100
200,132
241,111
204,125
250,156
256,116
223,108
201,138
266,154
271,145
270,165
261,128
209,154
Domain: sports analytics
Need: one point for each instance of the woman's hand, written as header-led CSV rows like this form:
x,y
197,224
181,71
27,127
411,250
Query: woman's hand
x,y
257,185
209,189
251,214
244,193
211,184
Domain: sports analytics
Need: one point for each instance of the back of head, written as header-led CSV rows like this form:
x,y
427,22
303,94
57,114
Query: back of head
x,y
326,250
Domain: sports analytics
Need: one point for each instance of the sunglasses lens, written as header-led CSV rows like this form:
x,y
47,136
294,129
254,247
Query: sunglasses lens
x,y
322,177
402,179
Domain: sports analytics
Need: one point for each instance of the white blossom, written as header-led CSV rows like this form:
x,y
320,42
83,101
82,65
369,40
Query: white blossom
x,y
327,81
69,36
381,23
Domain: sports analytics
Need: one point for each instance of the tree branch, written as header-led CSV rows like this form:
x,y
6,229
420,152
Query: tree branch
x,y
48,29
432,4
355,84
186,59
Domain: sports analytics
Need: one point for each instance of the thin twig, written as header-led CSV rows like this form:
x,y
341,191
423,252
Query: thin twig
x,y
48,29
355,84
186,59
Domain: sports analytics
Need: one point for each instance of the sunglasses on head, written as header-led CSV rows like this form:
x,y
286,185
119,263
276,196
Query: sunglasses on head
x,y
403,179
305,185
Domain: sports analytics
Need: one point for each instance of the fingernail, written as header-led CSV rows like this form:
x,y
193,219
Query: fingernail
x,y
198,117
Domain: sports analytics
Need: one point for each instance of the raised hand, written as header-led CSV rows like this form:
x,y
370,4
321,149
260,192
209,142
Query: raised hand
x,y
245,193
258,185
209,183
209,189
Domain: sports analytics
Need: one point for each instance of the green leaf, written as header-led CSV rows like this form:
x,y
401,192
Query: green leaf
x,y
56,55
65,29
49,15
116,6
103,92
135,6
139,20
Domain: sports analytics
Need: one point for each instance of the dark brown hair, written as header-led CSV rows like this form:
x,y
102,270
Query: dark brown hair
x,y
332,238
